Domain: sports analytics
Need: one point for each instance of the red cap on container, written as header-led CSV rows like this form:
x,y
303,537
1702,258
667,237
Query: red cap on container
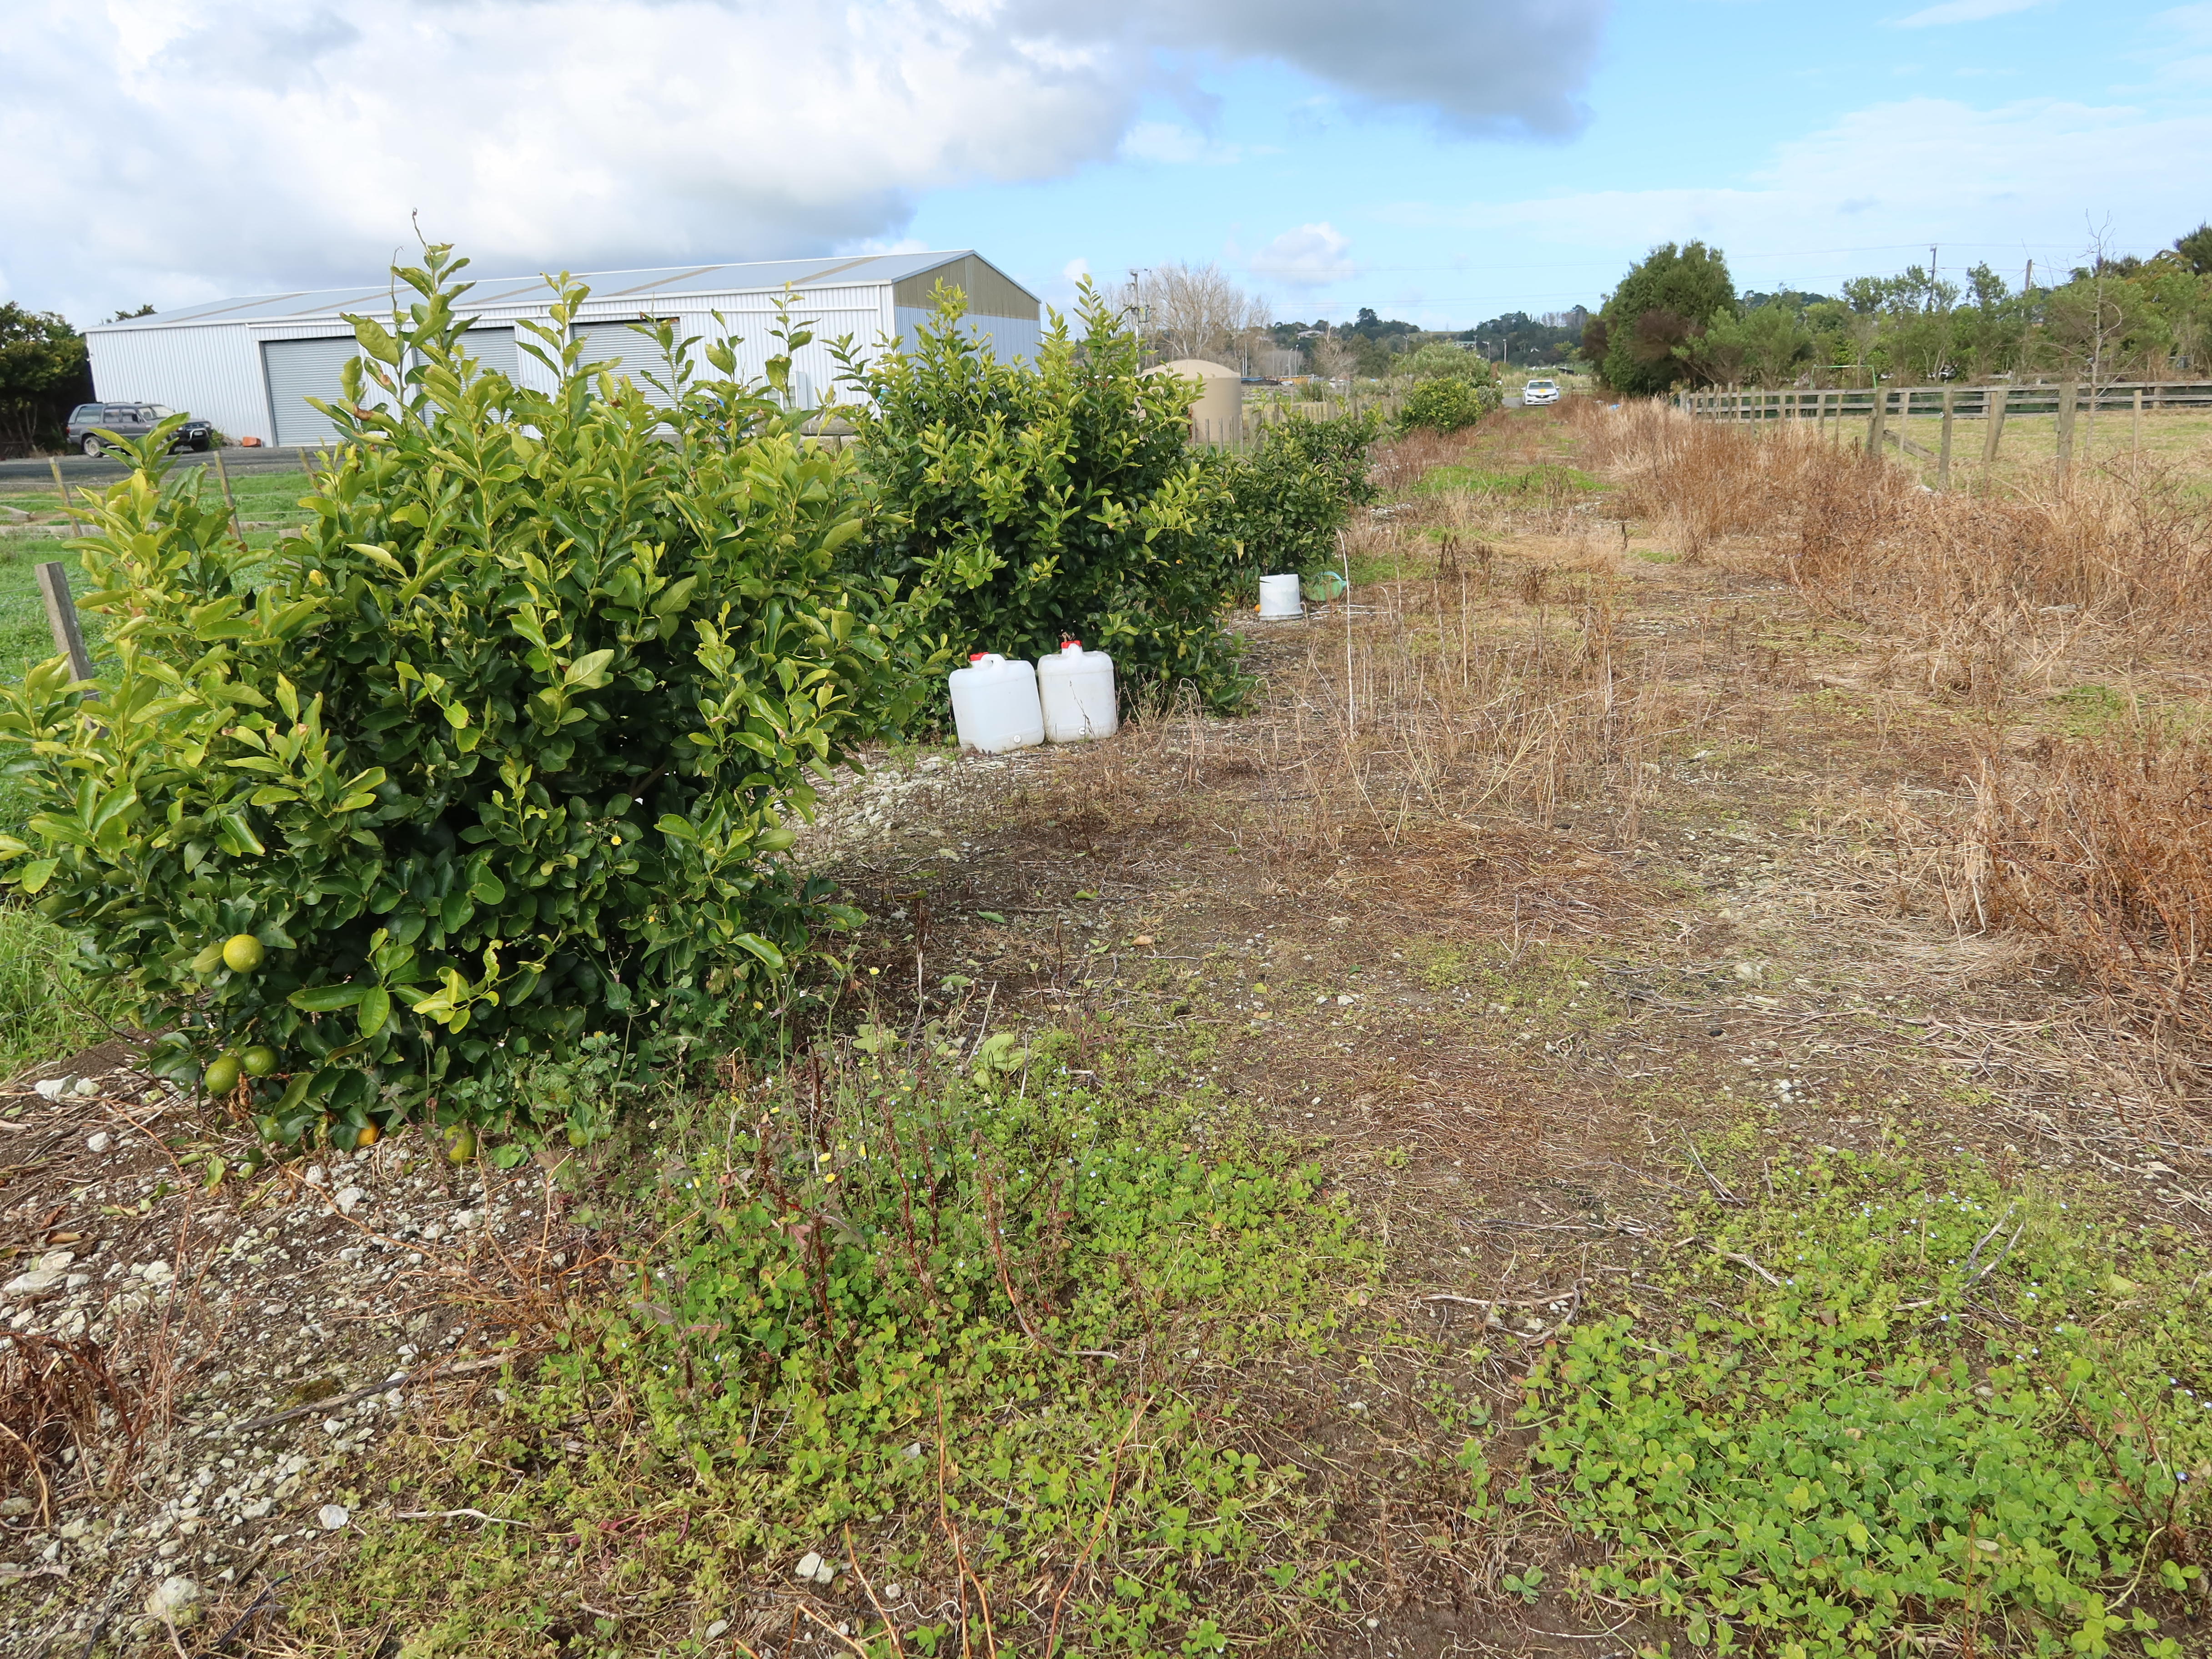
x,y
1071,645
975,656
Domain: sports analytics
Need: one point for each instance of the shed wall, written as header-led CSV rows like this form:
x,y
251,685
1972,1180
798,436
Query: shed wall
x,y
216,369
213,372
1010,337
989,295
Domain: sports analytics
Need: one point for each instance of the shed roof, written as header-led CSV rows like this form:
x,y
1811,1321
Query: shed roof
x,y
667,282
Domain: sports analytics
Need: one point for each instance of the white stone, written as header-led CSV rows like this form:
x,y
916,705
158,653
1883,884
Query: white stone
x,y
716,1629
86,1087
809,1564
41,1281
315,1176
172,1599
332,1515
50,1088
100,1142
348,1197
157,1273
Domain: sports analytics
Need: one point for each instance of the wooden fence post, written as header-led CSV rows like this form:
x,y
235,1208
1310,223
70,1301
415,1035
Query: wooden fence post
x,y
1943,453
54,462
61,619
1993,414
1875,420
2069,395
229,500
2134,436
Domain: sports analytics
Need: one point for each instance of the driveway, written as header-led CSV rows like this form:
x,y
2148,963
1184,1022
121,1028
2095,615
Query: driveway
x,y
79,468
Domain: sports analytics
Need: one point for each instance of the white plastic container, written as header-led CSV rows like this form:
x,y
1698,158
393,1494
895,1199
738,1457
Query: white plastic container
x,y
994,703
1279,598
1077,689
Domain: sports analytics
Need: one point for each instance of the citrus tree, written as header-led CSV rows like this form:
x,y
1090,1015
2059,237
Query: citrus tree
x,y
1023,503
487,765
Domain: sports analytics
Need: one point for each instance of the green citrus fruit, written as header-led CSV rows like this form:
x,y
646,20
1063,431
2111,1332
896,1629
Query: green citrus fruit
x,y
258,1061
242,953
221,1075
461,1144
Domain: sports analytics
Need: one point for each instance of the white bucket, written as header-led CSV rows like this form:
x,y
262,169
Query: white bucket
x,y
1077,689
994,703
1279,598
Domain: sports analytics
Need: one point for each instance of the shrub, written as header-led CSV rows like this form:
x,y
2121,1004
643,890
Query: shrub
x,y
488,760
1025,503
1285,500
1443,404
1439,360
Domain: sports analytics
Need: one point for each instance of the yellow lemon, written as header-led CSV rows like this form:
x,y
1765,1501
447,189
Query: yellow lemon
x,y
242,953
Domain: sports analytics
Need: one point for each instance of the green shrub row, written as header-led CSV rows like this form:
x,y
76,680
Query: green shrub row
x,y
488,767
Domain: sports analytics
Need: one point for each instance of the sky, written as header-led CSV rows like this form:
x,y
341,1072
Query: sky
x,y
1442,163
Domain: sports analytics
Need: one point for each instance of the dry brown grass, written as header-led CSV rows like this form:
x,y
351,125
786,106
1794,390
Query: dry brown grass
x,y
67,1424
2106,851
2121,550
2100,846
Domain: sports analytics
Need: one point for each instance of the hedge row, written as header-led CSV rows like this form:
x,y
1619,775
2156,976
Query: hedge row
x,y
475,791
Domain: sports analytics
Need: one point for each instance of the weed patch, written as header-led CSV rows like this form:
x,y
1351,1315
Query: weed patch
x,y
1891,1407
959,1330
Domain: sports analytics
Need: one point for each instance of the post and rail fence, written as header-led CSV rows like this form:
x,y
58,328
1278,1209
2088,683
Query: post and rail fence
x,y
1992,404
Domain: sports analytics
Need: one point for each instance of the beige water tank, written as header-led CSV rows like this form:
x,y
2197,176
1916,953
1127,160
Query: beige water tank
x,y
1218,415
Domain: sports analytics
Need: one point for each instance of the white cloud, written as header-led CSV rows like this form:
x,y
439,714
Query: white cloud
x,y
1965,11
1075,270
1864,193
1312,256
180,153
1174,144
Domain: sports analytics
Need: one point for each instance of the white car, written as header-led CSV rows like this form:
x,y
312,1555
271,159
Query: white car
x,y
1539,391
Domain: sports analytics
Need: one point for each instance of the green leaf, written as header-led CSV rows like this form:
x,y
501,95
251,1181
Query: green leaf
x,y
761,948
34,876
375,1008
327,999
588,671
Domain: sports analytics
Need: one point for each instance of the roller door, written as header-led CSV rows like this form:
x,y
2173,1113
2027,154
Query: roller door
x,y
492,348
298,370
626,351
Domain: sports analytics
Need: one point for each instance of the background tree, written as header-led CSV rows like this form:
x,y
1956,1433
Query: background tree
x,y
1763,347
44,371
1660,308
1199,311
2196,250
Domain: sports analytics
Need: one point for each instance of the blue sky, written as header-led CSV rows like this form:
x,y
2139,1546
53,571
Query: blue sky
x,y
1443,161
1812,144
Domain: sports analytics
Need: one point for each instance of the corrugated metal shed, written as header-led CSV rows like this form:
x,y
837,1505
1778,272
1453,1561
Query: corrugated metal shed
x,y
246,364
